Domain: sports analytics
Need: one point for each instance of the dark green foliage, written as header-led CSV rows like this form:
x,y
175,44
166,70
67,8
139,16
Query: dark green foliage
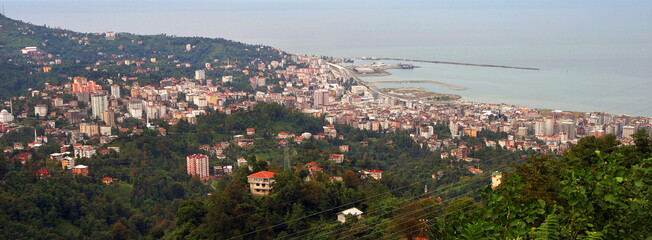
x,y
597,190
549,229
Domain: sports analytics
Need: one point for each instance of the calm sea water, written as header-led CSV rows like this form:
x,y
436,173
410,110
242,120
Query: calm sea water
x,y
594,55
607,83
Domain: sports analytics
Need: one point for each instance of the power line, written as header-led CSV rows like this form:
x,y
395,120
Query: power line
x,y
282,223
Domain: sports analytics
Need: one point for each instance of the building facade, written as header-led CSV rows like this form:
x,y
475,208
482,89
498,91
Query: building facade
x,y
99,104
197,165
260,183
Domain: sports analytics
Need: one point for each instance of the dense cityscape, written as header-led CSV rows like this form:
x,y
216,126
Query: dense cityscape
x,y
113,100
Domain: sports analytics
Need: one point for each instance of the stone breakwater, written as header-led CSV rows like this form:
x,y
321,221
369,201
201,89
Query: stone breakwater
x,y
458,63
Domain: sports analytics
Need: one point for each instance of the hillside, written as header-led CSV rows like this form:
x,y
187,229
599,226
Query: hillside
x,y
583,193
92,55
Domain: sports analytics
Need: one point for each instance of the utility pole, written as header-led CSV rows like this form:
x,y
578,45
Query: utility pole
x,y
286,162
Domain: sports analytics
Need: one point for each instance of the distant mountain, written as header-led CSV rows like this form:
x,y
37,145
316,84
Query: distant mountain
x,y
69,53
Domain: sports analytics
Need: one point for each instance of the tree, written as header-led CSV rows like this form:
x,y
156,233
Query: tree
x,y
120,231
350,179
190,212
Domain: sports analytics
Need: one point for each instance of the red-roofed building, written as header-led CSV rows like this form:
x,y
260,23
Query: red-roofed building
x,y
374,173
315,169
283,135
475,170
108,180
80,170
260,183
23,157
42,173
344,148
337,158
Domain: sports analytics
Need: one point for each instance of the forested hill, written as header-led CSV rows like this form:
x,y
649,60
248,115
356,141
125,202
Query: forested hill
x,y
597,190
81,53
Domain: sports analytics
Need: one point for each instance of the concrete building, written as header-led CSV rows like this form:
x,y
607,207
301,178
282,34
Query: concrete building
x,y
260,183
200,75
496,179
549,126
105,130
135,109
539,129
80,170
40,110
74,116
115,91
99,104
108,117
629,130
197,165
90,129
109,36
341,216
320,98
568,127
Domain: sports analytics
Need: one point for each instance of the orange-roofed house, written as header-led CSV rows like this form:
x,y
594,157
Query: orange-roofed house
x,y
315,169
475,170
23,157
42,173
260,183
283,135
337,158
108,180
81,170
374,173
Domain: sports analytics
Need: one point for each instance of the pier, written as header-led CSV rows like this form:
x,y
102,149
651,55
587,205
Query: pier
x,y
458,63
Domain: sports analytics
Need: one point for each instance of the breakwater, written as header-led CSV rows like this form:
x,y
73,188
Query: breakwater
x,y
457,63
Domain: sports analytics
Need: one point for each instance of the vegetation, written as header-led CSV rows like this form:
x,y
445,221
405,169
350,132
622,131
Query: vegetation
x,y
91,55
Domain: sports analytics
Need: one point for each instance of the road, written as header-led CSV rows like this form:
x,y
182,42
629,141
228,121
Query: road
x,y
345,72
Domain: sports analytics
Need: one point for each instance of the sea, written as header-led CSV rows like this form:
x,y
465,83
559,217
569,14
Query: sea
x,y
592,55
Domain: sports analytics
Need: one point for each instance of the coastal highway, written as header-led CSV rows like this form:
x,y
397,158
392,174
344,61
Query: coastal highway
x,y
345,72
423,81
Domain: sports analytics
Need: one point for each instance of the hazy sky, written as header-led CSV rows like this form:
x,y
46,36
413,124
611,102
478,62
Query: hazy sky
x,y
302,25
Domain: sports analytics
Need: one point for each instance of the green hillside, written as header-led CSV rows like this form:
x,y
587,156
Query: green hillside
x,y
79,51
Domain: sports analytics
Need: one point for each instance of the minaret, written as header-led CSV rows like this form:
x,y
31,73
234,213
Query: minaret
x,y
35,137
11,105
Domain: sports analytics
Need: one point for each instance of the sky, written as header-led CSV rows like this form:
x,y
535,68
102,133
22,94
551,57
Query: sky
x,y
593,49
300,25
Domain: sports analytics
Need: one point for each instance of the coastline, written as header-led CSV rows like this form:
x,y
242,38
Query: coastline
x,y
451,86
419,93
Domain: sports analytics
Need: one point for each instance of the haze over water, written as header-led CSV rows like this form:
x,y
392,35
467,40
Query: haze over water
x,y
593,55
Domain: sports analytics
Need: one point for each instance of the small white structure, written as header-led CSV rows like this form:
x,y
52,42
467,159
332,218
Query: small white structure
x,y
341,216
5,116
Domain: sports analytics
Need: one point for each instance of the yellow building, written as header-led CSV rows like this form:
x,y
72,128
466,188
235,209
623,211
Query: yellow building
x,y
260,183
